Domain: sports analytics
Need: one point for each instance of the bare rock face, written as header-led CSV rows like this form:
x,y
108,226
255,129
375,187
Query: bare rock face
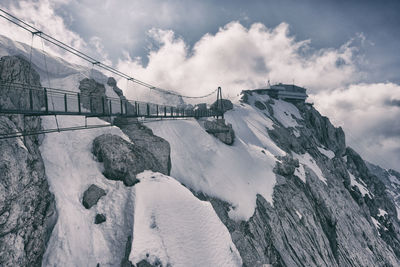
x,y
312,223
123,160
27,208
113,83
92,95
143,137
222,131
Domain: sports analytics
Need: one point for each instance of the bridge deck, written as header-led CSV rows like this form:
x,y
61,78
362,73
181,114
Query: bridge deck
x,y
38,101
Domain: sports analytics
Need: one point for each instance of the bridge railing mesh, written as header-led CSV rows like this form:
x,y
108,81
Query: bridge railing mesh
x,y
34,99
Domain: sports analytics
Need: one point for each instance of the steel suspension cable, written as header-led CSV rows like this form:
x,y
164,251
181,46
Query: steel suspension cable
x,y
13,19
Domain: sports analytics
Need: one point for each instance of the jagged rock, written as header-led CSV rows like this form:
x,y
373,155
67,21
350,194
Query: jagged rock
x,y
113,83
92,195
123,160
219,129
143,137
314,224
100,218
226,103
286,166
17,69
27,208
93,94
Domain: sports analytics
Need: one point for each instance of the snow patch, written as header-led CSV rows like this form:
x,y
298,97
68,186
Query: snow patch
x,y
71,169
364,191
235,174
176,228
284,113
299,214
328,153
377,224
300,172
308,161
382,213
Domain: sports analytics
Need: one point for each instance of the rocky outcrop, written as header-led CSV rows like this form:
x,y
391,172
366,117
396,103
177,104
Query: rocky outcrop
x,y
312,223
143,137
123,160
27,208
226,104
100,218
113,83
92,195
222,131
93,94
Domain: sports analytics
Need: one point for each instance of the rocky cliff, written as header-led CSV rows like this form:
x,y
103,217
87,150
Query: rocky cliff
x,y
288,190
27,208
346,219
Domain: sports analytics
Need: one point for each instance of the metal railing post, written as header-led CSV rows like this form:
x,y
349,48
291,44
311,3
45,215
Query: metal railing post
x,y
126,107
157,110
172,111
30,99
65,103
79,103
165,111
103,105
122,109
110,106
148,110
46,101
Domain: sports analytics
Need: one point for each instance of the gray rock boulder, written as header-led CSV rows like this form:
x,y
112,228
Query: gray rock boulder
x,y
222,131
123,160
286,166
27,208
93,94
143,137
99,218
92,195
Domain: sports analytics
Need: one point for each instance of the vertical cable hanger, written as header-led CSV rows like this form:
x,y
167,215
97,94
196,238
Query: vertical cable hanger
x,y
48,80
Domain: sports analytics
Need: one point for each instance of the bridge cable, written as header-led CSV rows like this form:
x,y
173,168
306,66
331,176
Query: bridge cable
x,y
88,58
48,80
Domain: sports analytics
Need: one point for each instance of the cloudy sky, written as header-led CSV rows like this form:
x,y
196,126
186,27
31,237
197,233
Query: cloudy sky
x,y
344,52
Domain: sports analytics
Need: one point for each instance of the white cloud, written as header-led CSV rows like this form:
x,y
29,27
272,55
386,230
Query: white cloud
x,y
238,58
235,57
42,15
369,114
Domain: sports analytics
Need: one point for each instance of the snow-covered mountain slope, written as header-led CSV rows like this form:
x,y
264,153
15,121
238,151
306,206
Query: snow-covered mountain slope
x,y
288,192
287,181
174,227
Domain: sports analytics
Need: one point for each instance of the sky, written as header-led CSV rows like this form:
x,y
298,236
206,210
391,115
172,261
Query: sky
x,y
344,52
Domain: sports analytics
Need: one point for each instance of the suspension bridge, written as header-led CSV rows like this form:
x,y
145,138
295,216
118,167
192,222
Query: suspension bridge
x,y
31,100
